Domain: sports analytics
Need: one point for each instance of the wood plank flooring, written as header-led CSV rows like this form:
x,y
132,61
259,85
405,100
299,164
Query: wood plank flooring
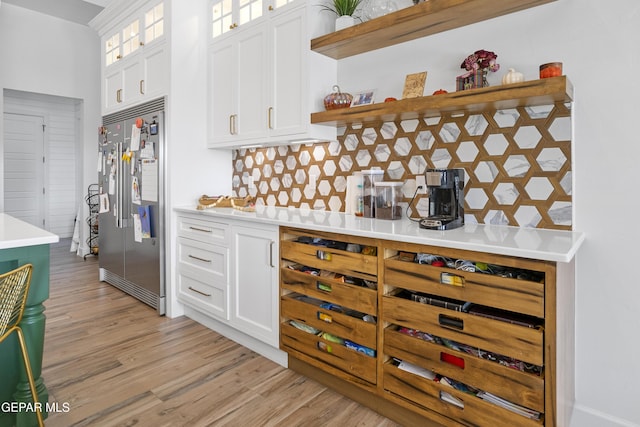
x,y
115,362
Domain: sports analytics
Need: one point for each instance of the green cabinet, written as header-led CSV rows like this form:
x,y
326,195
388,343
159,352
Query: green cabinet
x,y
14,387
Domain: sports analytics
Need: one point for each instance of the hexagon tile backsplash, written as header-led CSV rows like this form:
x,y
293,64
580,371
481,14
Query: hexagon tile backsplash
x,y
517,164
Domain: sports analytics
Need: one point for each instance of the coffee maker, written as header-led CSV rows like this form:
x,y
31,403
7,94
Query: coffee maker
x,y
446,199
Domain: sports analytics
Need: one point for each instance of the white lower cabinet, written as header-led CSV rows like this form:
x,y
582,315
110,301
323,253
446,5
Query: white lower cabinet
x,y
255,281
227,270
203,279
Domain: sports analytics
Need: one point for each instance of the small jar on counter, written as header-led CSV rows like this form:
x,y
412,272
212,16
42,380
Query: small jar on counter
x,y
388,196
369,178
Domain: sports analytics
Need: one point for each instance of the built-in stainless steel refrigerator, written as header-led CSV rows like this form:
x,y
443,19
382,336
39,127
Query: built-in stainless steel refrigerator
x,y
131,170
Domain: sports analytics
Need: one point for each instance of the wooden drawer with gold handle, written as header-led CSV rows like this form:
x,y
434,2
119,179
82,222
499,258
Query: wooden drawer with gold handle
x,y
522,296
519,342
523,388
355,297
327,320
327,353
432,395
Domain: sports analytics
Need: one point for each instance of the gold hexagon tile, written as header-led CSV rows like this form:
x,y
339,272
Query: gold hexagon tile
x,y
517,164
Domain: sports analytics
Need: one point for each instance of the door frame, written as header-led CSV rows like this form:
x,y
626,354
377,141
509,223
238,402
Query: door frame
x,y
64,118
44,207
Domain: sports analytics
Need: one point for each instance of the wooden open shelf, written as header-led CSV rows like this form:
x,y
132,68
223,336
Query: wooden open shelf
x,y
424,19
529,93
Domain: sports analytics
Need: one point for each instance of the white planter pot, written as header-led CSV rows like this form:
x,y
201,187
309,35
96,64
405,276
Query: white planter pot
x,y
344,22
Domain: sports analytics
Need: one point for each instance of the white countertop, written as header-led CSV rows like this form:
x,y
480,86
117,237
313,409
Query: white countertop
x,y
15,233
535,243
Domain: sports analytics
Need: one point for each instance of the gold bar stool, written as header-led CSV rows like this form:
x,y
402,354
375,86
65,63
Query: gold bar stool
x,y
14,288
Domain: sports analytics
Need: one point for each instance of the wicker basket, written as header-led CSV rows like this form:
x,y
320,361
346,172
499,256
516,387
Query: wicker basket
x,y
242,203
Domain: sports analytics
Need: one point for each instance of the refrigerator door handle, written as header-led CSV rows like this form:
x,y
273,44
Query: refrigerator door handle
x,y
120,187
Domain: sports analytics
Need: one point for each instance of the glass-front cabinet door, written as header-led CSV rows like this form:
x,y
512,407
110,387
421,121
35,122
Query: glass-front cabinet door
x,y
154,23
135,58
227,15
145,28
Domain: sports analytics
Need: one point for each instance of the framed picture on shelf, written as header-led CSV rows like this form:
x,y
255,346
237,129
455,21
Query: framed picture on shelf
x,y
414,85
363,98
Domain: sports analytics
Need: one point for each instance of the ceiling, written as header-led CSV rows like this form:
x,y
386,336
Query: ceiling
x,y
77,11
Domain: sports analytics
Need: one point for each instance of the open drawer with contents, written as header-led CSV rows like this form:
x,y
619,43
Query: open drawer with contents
x,y
329,302
467,332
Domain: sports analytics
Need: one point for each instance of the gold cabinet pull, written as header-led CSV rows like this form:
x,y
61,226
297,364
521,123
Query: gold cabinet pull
x,y
271,254
199,292
270,8
200,229
270,115
199,259
232,26
233,124
119,96
141,87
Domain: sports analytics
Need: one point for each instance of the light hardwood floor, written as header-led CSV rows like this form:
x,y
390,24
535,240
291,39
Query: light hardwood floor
x,y
115,362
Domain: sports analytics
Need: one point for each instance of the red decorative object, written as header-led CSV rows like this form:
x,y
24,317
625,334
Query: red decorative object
x,y
440,92
481,60
551,69
390,99
337,99
478,64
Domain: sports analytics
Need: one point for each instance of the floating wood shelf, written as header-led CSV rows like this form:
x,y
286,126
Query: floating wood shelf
x,y
530,93
413,22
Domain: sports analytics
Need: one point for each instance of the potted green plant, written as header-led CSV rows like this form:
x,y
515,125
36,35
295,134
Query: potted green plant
x,y
345,10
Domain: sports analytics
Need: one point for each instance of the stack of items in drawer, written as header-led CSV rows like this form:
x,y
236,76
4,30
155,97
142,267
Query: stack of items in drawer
x,y
465,338
329,304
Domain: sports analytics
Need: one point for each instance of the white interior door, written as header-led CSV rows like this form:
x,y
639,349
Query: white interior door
x,y
24,168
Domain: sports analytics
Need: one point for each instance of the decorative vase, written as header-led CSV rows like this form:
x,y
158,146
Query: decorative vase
x,y
344,21
377,8
484,83
473,79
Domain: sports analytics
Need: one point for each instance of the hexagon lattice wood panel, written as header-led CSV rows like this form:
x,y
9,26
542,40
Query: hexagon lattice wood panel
x,y
517,164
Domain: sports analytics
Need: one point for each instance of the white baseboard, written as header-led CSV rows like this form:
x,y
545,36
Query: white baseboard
x,y
274,354
583,416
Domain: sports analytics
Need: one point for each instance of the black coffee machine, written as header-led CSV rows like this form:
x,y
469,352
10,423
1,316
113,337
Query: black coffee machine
x,y
446,199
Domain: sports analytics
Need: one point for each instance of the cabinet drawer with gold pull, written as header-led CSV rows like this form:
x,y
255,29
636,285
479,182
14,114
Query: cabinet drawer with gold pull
x,y
337,323
204,258
523,296
522,387
520,342
465,408
355,297
199,291
203,230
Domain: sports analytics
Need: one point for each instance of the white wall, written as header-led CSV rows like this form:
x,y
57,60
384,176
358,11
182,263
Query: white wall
x,y
598,43
51,56
195,170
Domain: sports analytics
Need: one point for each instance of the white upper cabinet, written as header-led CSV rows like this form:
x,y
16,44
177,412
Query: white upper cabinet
x,y
264,81
135,59
227,15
